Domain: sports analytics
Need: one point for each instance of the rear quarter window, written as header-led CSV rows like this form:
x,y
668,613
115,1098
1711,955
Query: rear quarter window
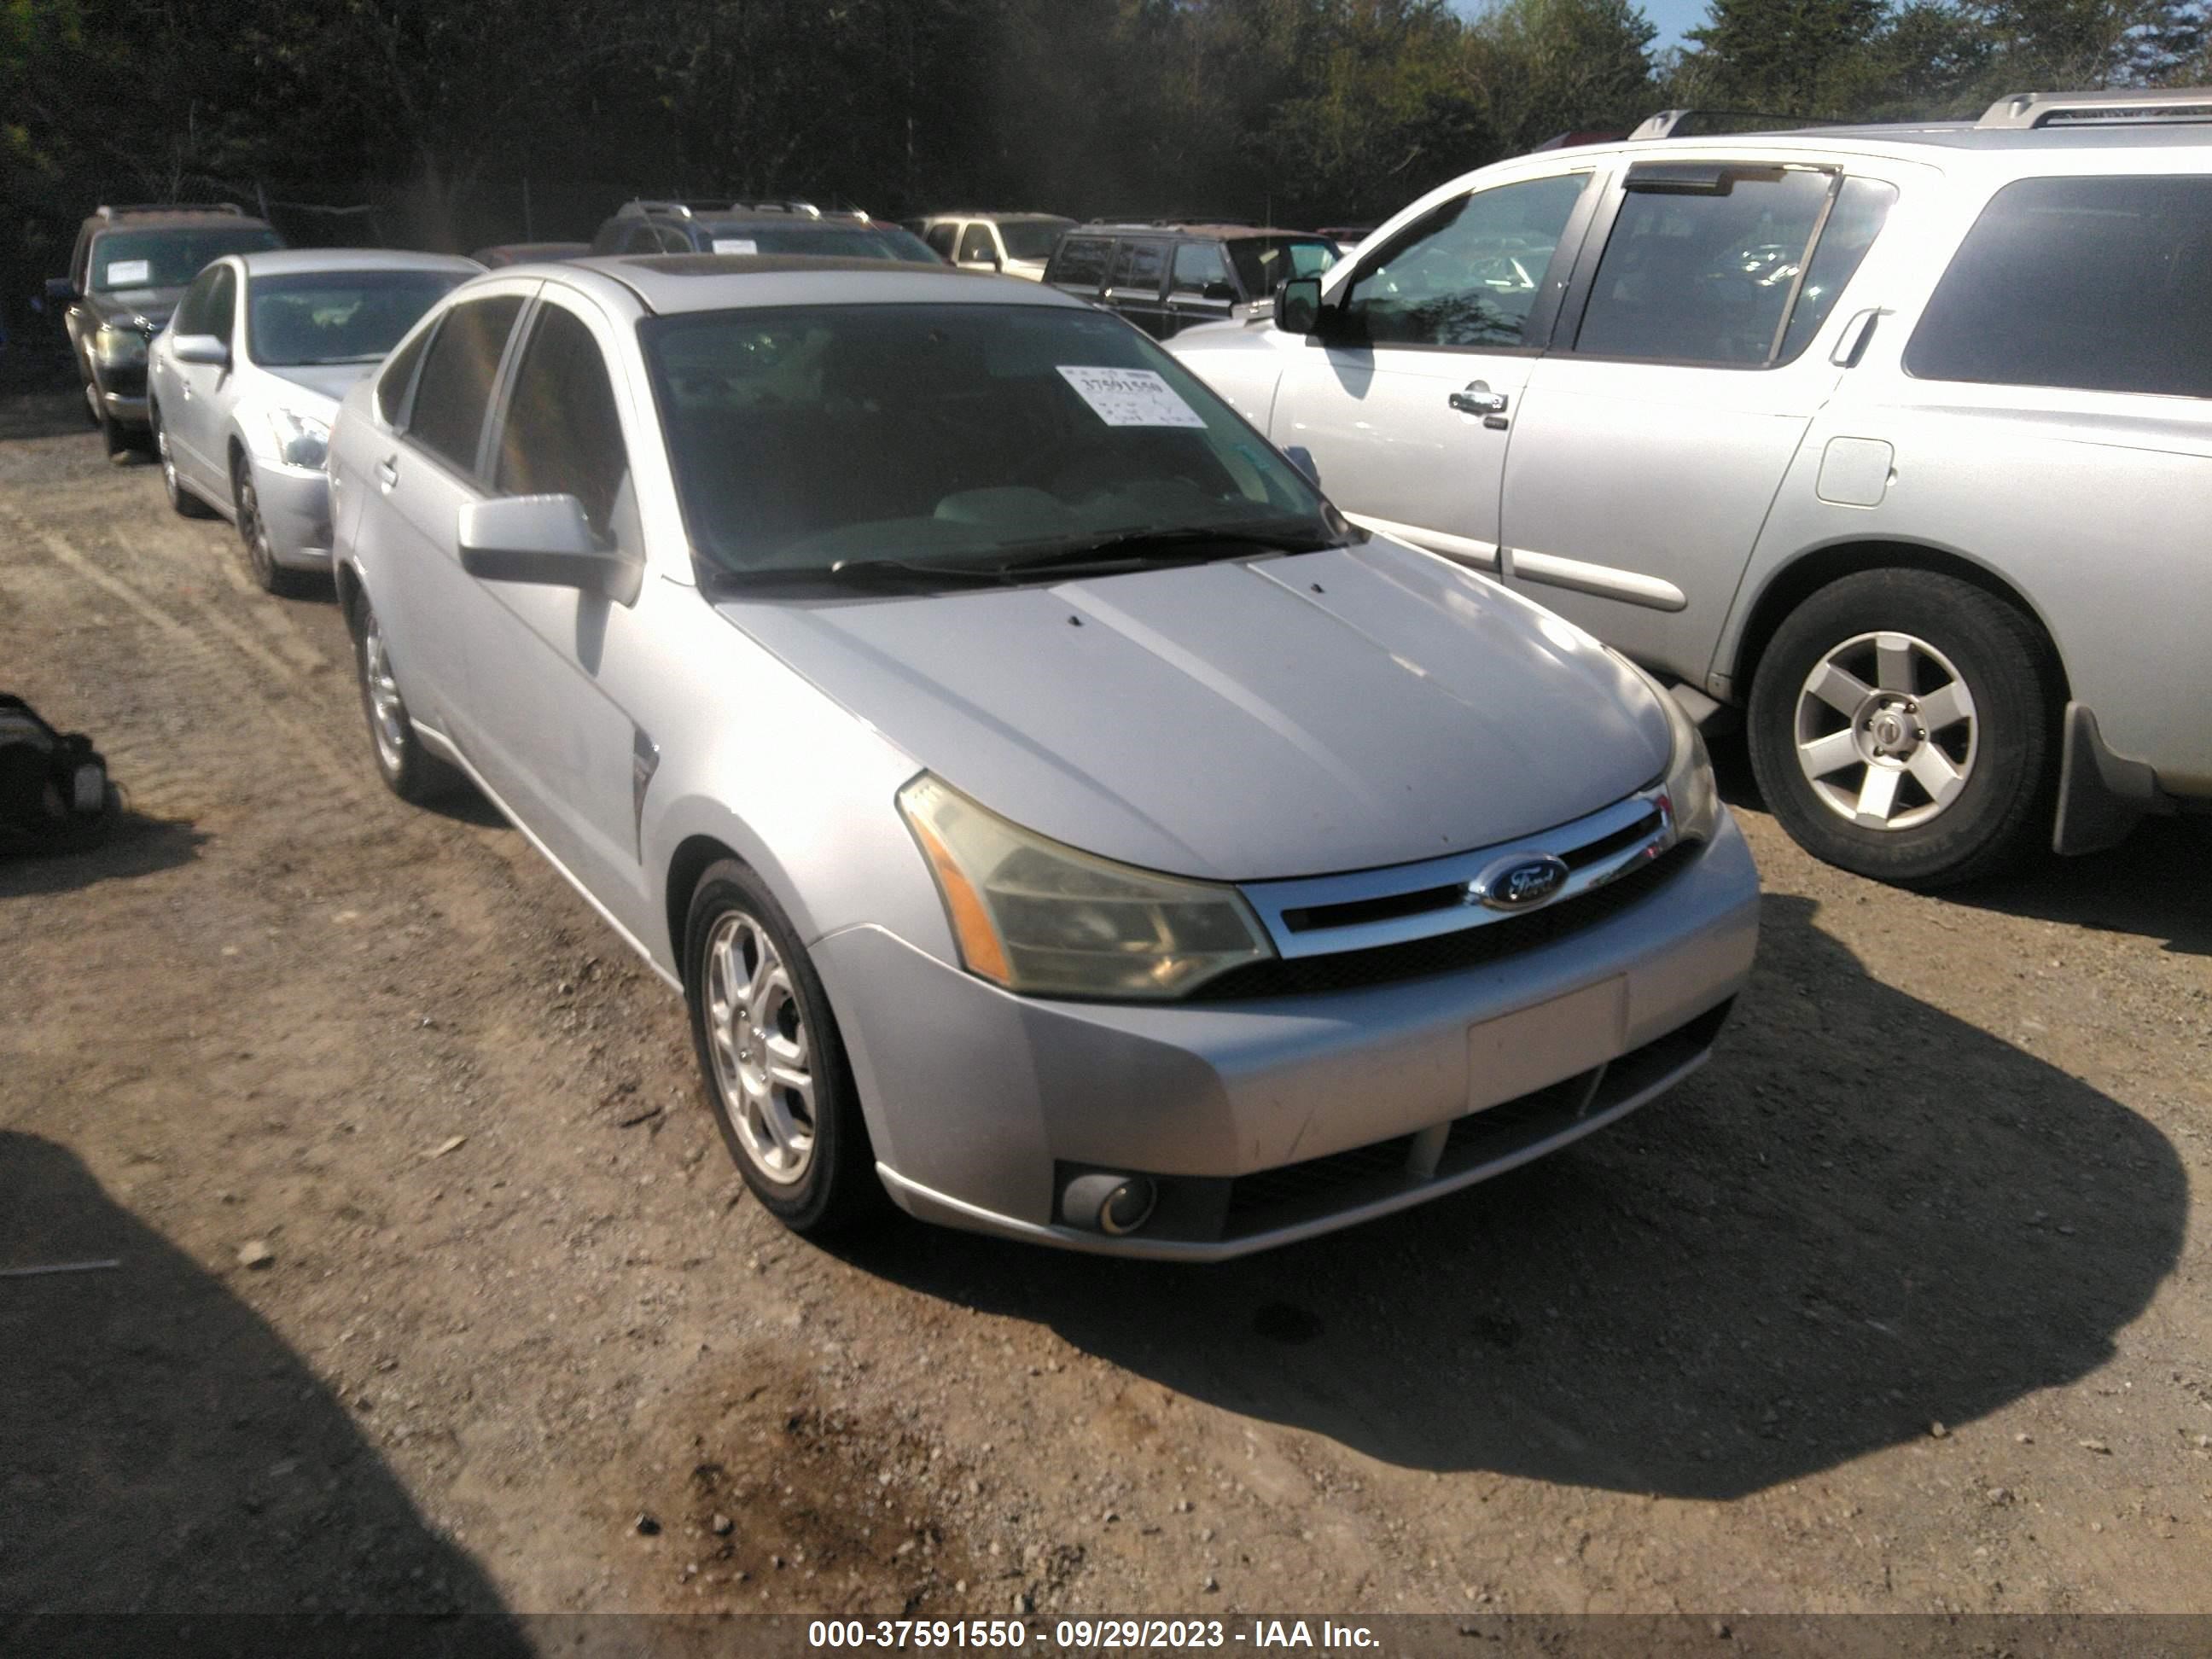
x,y
1081,261
2099,284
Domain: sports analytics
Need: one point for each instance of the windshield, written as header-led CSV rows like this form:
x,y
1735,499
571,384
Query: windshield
x,y
1032,239
950,436
1264,263
168,258
822,241
336,316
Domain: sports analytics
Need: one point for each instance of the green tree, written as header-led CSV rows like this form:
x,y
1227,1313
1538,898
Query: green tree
x,y
1546,67
1808,58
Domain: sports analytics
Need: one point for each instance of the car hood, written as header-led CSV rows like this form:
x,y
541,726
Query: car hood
x,y
148,306
1245,719
329,381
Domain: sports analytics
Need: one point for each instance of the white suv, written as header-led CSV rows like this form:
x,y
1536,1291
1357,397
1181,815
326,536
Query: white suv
x,y
1899,437
1012,244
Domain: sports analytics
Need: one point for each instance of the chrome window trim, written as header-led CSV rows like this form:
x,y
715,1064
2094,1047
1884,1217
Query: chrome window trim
x,y
1270,899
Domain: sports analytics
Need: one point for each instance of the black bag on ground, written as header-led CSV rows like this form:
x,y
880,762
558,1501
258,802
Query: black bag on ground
x,y
53,785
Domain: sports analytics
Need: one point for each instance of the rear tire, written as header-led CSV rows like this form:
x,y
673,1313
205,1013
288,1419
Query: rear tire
x,y
1904,726
773,1064
409,770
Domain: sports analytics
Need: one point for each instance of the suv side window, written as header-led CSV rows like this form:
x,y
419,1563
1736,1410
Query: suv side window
x,y
1081,261
1197,264
2101,284
448,412
940,237
1138,265
1702,263
562,433
642,238
1469,273
976,246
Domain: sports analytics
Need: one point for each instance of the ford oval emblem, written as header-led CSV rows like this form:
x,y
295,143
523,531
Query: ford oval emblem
x,y
1517,883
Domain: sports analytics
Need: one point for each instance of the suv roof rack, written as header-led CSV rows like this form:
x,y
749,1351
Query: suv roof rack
x,y
2026,110
647,207
1693,123
116,210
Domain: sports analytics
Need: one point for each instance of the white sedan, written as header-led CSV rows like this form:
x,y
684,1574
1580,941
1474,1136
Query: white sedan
x,y
243,383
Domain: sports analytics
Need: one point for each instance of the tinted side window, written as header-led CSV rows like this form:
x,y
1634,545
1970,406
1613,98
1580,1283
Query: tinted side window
x,y
1469,273
610,237
1700,268
448,412
1081,261
2104,284
1197,264
1856,220
1138,265
391,385
562,435
191,310
976,246
939,237
221,304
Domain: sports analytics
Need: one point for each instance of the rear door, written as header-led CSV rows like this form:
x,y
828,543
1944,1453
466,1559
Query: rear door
x,y
408,539
1408,396
1079,265
1652,439
1200,287
1137,285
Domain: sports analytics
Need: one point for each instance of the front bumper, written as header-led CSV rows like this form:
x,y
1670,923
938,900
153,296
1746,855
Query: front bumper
x,y
295,507
1267,1120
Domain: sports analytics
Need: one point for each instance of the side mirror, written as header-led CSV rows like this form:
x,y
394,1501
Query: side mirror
x,y
201,348
1297,306
1302,458
1218,290
545,540
61,289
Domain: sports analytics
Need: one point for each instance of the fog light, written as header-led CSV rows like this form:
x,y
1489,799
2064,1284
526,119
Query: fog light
x,y
1113,1204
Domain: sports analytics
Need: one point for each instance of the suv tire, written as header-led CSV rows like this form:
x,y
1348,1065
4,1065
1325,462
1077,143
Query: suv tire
x,y
760,1022
1859,681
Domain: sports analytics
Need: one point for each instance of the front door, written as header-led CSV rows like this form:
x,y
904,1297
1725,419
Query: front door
x,y
1201,287
194,416
1135,285
1408,398
1652,439
553,738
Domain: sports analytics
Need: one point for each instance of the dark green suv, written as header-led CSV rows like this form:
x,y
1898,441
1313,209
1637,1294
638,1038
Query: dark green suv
x,y
1167,277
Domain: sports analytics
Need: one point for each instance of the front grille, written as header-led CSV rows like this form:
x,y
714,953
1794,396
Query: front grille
x,y
1446,953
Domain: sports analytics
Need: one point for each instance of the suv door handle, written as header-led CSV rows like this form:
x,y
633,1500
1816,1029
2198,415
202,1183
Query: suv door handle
x,y
1479,399
387,472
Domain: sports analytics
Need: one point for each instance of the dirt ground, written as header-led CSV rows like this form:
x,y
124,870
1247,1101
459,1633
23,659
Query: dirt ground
x,y
1901,1305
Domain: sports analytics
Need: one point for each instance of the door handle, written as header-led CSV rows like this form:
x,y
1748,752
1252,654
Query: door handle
x,y
1479,399
387,472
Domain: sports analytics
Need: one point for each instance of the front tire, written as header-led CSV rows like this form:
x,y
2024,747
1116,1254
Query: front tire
x,y
253,532
773,1065
408,769
1903,725
182,502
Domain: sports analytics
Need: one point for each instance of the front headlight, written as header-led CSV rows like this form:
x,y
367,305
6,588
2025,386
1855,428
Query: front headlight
x,y
116,345
1045,920
1691,790
302,439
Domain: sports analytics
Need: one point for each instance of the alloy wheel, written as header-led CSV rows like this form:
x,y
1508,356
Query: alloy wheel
x,y
168,461
253,531
762,1059
387,721
1886,732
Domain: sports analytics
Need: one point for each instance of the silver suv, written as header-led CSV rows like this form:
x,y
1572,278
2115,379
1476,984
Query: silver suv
x,y
1900,438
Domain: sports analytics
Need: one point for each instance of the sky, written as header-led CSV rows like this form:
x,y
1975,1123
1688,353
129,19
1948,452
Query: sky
x,y
1672,18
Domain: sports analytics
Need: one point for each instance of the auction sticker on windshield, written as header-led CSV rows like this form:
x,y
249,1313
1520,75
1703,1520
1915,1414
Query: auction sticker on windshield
x,y
121,273
735,245
1131,396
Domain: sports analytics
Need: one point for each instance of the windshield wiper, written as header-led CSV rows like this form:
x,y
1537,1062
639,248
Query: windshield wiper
x,y
851,573
1139,547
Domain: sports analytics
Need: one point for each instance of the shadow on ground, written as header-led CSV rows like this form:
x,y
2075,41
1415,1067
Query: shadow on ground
x,y
135,845
1863,1217
169,1453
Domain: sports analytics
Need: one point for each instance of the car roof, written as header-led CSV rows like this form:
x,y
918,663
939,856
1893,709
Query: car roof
x,y
174,219
302,261
798,222
1921,142
668,283
995,215
1222,233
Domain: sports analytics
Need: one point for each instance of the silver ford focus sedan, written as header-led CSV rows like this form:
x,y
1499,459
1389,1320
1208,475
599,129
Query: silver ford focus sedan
x,y
1054,814
243,382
